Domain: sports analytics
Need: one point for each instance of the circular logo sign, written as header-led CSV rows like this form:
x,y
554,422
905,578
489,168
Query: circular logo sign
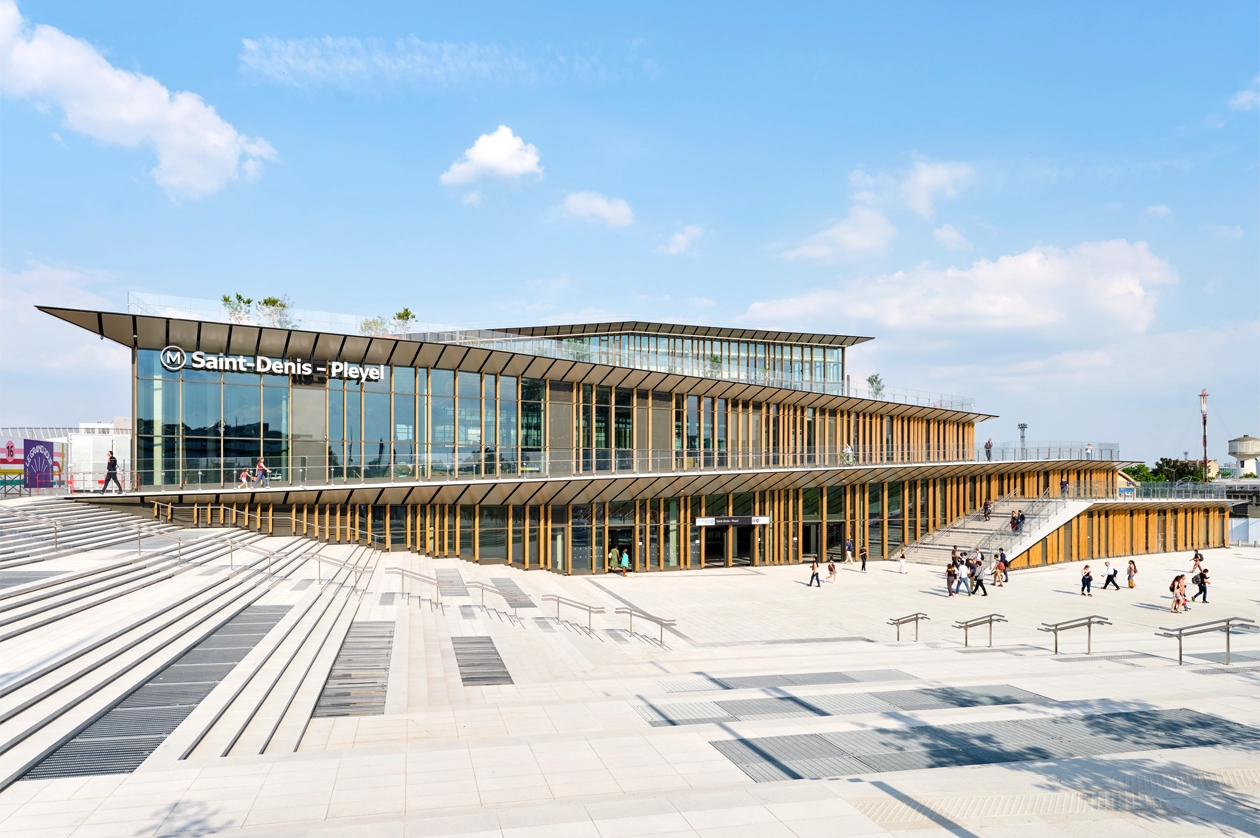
x,y
173,359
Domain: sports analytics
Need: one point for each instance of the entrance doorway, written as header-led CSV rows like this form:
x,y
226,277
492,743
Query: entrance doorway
x,y
623,539
744,545
810,540
715,546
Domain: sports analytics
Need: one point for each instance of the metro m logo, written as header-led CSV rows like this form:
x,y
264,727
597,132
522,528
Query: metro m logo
x,y
173,359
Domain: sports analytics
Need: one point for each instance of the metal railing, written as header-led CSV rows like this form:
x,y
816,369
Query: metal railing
x,y
341,469
404,573
573,603
968,625
909,618
1086,623
38,519
1225,624
634,612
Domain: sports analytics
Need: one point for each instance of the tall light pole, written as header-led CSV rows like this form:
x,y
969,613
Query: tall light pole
x,y
1203,397
1023,451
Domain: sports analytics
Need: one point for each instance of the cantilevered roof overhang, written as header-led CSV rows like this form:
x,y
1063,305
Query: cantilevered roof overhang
x,y
505,490
142,331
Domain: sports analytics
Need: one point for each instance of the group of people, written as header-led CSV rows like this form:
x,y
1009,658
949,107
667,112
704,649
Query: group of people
x,y
618,560
1109,577
1198,577
815,566
1017,520
967,571
256,480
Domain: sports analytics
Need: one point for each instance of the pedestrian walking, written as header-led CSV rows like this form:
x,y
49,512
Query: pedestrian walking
x,y
613,555
862,556
1201,579
977,578
1175,589
1109,576
951,578
1006,565
901,561
261,475
1087,579
988,449
1089,450
995,570
988,509
1132,573
1019,521
245,479
111,473
1014,521
813,574
1197,558
962,576
1063,484
831,571
848,552
625,562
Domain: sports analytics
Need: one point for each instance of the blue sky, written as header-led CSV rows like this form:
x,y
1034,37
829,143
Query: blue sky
x,y
1053,211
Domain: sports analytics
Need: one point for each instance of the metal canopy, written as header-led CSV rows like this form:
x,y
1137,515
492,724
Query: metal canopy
x,y
149,332
677,329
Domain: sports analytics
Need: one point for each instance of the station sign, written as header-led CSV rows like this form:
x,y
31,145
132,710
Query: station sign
x,y
174,359
733,521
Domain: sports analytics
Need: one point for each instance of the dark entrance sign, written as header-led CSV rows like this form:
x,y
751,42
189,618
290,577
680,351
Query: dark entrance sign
x,y
733,521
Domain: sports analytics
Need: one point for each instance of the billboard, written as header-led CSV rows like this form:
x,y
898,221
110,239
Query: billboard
x,y
13,460
37,464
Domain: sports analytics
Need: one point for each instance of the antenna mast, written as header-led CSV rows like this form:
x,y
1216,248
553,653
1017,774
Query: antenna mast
x,y
1203,397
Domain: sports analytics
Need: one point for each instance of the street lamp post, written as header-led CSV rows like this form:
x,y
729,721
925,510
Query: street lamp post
x,y
1023,450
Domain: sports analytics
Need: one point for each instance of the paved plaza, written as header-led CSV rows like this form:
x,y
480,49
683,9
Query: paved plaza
x,y
770,709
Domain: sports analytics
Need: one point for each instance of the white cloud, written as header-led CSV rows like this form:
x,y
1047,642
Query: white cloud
x,y
92,375
701,302
948,235
368,66
474,199
682,242
594,207
1247,100
1157,211
1110,285
501,154
198,152
1225,231
864,231
926,181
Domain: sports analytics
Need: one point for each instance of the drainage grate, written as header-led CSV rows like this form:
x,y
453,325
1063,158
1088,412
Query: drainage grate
x,y
544,624
815,756
120,740
1227,670
13,578
360,675
617,635
468,612
513,591
788,707
303,585
1219,657
450,583
803,679
1117,656
387,598
479,662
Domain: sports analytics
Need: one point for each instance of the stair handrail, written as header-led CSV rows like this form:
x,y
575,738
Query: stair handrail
x,y
934,537
39,519
968,625
1086,623
1225,624
573,603
909,618
634,612
419,577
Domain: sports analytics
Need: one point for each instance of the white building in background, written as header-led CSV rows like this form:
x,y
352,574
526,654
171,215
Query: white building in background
x,y
1245,449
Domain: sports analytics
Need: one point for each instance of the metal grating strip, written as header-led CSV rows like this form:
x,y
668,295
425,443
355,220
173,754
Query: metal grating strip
x,y
387,598
359,678
816,756
544,624
468,612
450,583
13,578
120,740
479,662
513,590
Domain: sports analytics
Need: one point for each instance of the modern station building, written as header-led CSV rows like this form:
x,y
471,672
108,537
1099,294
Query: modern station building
x,y
546,447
